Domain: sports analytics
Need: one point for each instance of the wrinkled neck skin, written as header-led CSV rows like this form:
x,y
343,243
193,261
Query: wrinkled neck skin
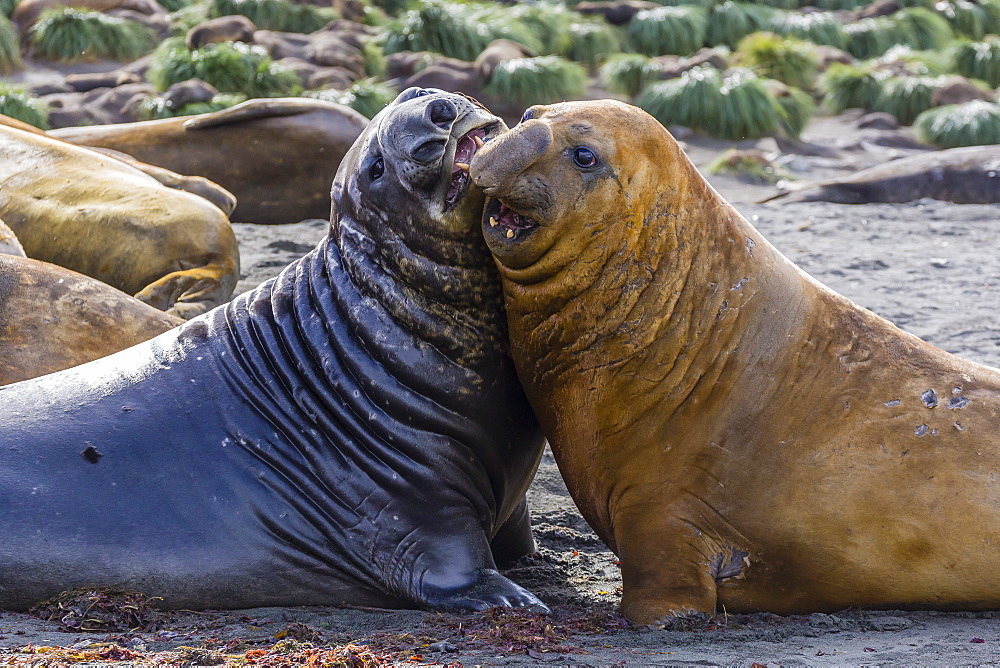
x,y
645,317
442,286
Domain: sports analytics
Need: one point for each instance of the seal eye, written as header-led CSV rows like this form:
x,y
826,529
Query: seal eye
x,y
377,169
527,115
584,157
422,92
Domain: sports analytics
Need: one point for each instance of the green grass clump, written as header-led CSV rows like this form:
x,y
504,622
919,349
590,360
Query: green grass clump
x,y
975,123
175,5
818,28
904,59
17,103
797,106
374,58
923,28
231,67
366,97
729,22
68,34
457,30
971,19
276,14
851,86
10,47
185,18
737,106
154,108
628,73
548,22
790,61
978,60
870,38
750,166
668,30
7,7
906,97
542,80
591,42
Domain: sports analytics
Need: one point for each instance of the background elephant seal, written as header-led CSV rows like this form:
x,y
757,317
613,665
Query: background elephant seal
x,y
741,436
9,245
53,318
277,156
349,432
97,215
961,175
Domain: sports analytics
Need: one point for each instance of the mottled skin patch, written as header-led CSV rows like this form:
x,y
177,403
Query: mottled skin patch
x,y
706,399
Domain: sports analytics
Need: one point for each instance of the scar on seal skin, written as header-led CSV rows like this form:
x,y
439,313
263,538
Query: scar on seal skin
x,y
739,434
350,432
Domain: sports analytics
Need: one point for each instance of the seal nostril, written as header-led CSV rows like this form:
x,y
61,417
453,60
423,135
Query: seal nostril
x,y
429,151
442,113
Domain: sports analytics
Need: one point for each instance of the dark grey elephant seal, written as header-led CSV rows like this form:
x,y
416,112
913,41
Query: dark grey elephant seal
x,y
961,175
351,431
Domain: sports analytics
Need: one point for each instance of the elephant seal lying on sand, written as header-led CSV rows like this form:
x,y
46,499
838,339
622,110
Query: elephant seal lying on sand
x,y
97,215
350,432
53,319
961,175
741,436
277,156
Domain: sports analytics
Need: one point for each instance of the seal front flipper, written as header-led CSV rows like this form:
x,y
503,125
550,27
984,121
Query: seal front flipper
x,y
514,539
486,588
191,292
674,580
251,110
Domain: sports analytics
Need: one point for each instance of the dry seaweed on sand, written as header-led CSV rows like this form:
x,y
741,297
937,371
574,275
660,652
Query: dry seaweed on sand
x,y
100,610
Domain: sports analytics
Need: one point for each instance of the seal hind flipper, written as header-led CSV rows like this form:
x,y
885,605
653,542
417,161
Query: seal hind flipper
x,y
251,110
189,292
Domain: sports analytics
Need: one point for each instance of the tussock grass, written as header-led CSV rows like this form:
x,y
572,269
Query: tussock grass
x,y
839,4
185,18
548,22
367,97
736,106
10,46
542,80
229,67
7,7
729,22
628,73
790,61
971,19
457,30
906,97
276,14
68,34
175,5
17,103
591,42
904,59
797,106
154,108
978,60
818,28
668,30
850,86
923,28
750,166
870,38
974,123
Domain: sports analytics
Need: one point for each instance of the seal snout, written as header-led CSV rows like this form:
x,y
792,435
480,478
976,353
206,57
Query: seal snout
x,y
442,113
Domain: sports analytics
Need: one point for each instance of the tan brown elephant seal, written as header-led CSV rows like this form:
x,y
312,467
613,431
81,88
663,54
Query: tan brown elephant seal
x,y
744,438
9,245
97,215
53,319
277,156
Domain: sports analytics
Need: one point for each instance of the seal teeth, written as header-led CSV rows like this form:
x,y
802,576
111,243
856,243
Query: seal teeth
x,y
493,222
479,142
510,234
463,166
